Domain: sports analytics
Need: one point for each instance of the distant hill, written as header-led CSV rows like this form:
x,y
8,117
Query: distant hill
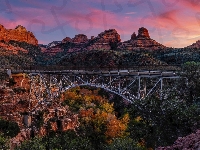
x,y
19,48
19,34
107,40
14,54
195,45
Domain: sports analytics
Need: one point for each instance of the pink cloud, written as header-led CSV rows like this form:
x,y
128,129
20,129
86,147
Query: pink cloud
x,y
176,25
97,19
168,16
192,4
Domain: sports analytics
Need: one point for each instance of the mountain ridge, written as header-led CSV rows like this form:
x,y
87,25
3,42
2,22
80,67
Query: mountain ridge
x,y
106,49
110,40
18,34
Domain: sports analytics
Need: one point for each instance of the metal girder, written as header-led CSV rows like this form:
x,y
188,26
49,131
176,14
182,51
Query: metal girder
x,y
47,87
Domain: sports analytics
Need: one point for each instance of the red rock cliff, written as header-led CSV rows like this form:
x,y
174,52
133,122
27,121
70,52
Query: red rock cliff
x,y
18,34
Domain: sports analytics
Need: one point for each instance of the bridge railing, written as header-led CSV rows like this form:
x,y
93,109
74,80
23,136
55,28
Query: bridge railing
x,y
136,68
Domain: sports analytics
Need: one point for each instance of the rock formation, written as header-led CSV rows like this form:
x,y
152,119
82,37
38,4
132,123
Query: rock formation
x,y
105,40
92,37
107,36
80,38
195,45
110,40
142,40
133,36
12,49
143,33
18,34
67,39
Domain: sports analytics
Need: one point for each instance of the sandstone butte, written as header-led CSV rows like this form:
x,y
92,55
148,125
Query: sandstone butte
x,y
18,34
106,38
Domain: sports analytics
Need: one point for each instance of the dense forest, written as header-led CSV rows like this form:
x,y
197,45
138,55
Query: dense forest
x,y
106,121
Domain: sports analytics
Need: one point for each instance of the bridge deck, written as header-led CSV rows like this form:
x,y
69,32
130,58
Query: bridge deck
x,y
143,73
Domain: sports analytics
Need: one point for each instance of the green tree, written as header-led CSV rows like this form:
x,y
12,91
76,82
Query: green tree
x,y
58,141
3,142
163,121
191,74
9,128
33,144
123,144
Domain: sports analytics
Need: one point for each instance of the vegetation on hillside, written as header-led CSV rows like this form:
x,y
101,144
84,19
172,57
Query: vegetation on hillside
x,y
109,123
106,120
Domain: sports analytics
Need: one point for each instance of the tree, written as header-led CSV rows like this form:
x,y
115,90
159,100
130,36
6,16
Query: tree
x,y
163,121
123,144
9,128
66,140
35,143
11,82
191,72
3,142
98,121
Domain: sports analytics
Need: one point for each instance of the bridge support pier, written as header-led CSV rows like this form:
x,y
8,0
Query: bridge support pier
x,y
139,87
161,88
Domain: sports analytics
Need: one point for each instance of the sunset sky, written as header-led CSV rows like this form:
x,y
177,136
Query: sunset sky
x,y
174,23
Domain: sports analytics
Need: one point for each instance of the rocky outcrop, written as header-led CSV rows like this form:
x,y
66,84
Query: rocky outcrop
x,y
53,44
12,49
143,33
105,40
52,48
190,142
66,40
133,36
194,45
109,40
142,40
108,36
67,119
80,38
19,34
22,136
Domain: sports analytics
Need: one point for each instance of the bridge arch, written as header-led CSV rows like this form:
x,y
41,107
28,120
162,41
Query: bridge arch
x,y
101,87
127,84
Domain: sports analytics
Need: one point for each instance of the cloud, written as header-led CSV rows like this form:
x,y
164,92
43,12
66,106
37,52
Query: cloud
x,y
130,13
192,4
173,22
98,19
168,16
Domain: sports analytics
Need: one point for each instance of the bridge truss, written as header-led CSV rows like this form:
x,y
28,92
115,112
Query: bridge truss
x,y
129,84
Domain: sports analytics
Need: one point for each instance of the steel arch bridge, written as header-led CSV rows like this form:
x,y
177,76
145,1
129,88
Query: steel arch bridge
x,y
129,84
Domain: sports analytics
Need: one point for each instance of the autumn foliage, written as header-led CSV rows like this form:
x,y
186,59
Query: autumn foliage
x,y
96,111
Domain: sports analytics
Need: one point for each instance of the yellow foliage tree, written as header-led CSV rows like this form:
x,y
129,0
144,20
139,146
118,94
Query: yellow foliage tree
x,y
96,111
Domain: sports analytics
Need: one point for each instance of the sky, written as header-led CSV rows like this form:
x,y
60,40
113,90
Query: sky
x,y
174,23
